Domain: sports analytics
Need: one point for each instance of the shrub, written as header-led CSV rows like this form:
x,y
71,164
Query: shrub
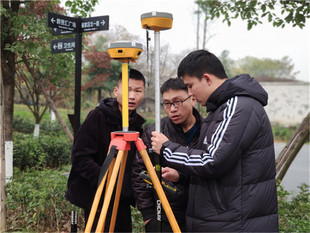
x,y
148,121
294,211
137,220
51,127
26,125
283,133
35,202
44,151
23,125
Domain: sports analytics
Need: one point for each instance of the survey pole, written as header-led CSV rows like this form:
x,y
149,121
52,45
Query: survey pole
x,y
157,21
157,81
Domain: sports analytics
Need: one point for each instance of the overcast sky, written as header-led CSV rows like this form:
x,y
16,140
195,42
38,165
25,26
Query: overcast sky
x,y
263,41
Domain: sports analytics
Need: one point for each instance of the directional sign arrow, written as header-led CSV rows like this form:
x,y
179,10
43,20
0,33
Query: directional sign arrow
x,y
63,45
98,23
62,22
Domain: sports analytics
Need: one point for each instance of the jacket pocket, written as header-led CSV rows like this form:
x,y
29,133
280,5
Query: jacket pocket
x,y
215,195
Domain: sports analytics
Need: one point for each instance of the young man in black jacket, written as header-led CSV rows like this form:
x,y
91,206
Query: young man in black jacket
x,y
91,145
182,125
233,186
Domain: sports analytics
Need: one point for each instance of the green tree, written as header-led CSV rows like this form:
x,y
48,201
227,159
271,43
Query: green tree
x,y
97,71
40,72
266,67
228,63
293,12
10,31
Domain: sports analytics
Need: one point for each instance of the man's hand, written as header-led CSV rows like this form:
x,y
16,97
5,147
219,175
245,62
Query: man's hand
x,y
170,174
157,141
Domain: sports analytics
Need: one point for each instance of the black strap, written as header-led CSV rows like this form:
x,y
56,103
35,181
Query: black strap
x,y
106,164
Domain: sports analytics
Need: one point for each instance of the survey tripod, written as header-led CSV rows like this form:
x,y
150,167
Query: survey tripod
x,y
113,168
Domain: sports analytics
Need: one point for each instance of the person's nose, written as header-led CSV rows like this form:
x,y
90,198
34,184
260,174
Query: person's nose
x,y
190,91
131,95
173,108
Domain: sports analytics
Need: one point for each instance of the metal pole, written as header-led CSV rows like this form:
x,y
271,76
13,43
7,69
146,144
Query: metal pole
x,y
157,82
78,64
157,126
77,99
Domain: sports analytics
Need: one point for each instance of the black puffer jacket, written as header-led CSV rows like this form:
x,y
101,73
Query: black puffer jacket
x,y
90,149
233,187
145,197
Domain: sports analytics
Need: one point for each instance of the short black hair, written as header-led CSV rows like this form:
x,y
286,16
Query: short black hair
x,y
199,62
134,74
173,84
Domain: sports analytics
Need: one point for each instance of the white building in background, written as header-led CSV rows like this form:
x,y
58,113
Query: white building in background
x,y
288,102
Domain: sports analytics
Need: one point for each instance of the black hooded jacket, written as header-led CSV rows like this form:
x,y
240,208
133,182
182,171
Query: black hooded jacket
x,y
90,149
233,186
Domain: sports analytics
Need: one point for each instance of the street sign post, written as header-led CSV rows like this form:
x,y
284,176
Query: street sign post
x,y
62,25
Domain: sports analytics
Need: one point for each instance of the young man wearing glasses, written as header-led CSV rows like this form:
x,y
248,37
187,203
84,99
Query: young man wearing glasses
x,y
182,125
232,170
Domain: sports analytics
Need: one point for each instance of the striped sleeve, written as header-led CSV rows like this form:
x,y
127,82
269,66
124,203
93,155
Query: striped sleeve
x,y
182,156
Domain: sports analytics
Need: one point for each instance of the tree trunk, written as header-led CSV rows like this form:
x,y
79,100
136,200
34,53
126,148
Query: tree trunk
x,y
8,70
99,95
49,100
204,40
2,160
290,151
8,79
198,27
7,84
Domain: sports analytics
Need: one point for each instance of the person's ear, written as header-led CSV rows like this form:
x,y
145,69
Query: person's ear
x,y
115,91
208,78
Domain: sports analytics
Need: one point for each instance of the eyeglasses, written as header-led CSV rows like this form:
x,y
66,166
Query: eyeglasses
x,y
175,104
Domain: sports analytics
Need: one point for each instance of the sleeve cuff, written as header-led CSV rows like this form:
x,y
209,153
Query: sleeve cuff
x,y
165,144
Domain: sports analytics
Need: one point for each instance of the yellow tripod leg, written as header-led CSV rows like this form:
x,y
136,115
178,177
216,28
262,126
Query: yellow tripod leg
x,y
95,204
109,174
160,192
107,198
118,192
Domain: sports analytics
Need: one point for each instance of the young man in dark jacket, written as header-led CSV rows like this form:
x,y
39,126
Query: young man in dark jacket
x,y
91,145
182,125
233,186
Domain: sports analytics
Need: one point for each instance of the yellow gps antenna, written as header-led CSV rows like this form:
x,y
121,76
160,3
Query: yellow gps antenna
x,y
125,51
157,21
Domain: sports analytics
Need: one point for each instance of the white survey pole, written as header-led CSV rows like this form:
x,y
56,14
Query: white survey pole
x,y
157,21
157,81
